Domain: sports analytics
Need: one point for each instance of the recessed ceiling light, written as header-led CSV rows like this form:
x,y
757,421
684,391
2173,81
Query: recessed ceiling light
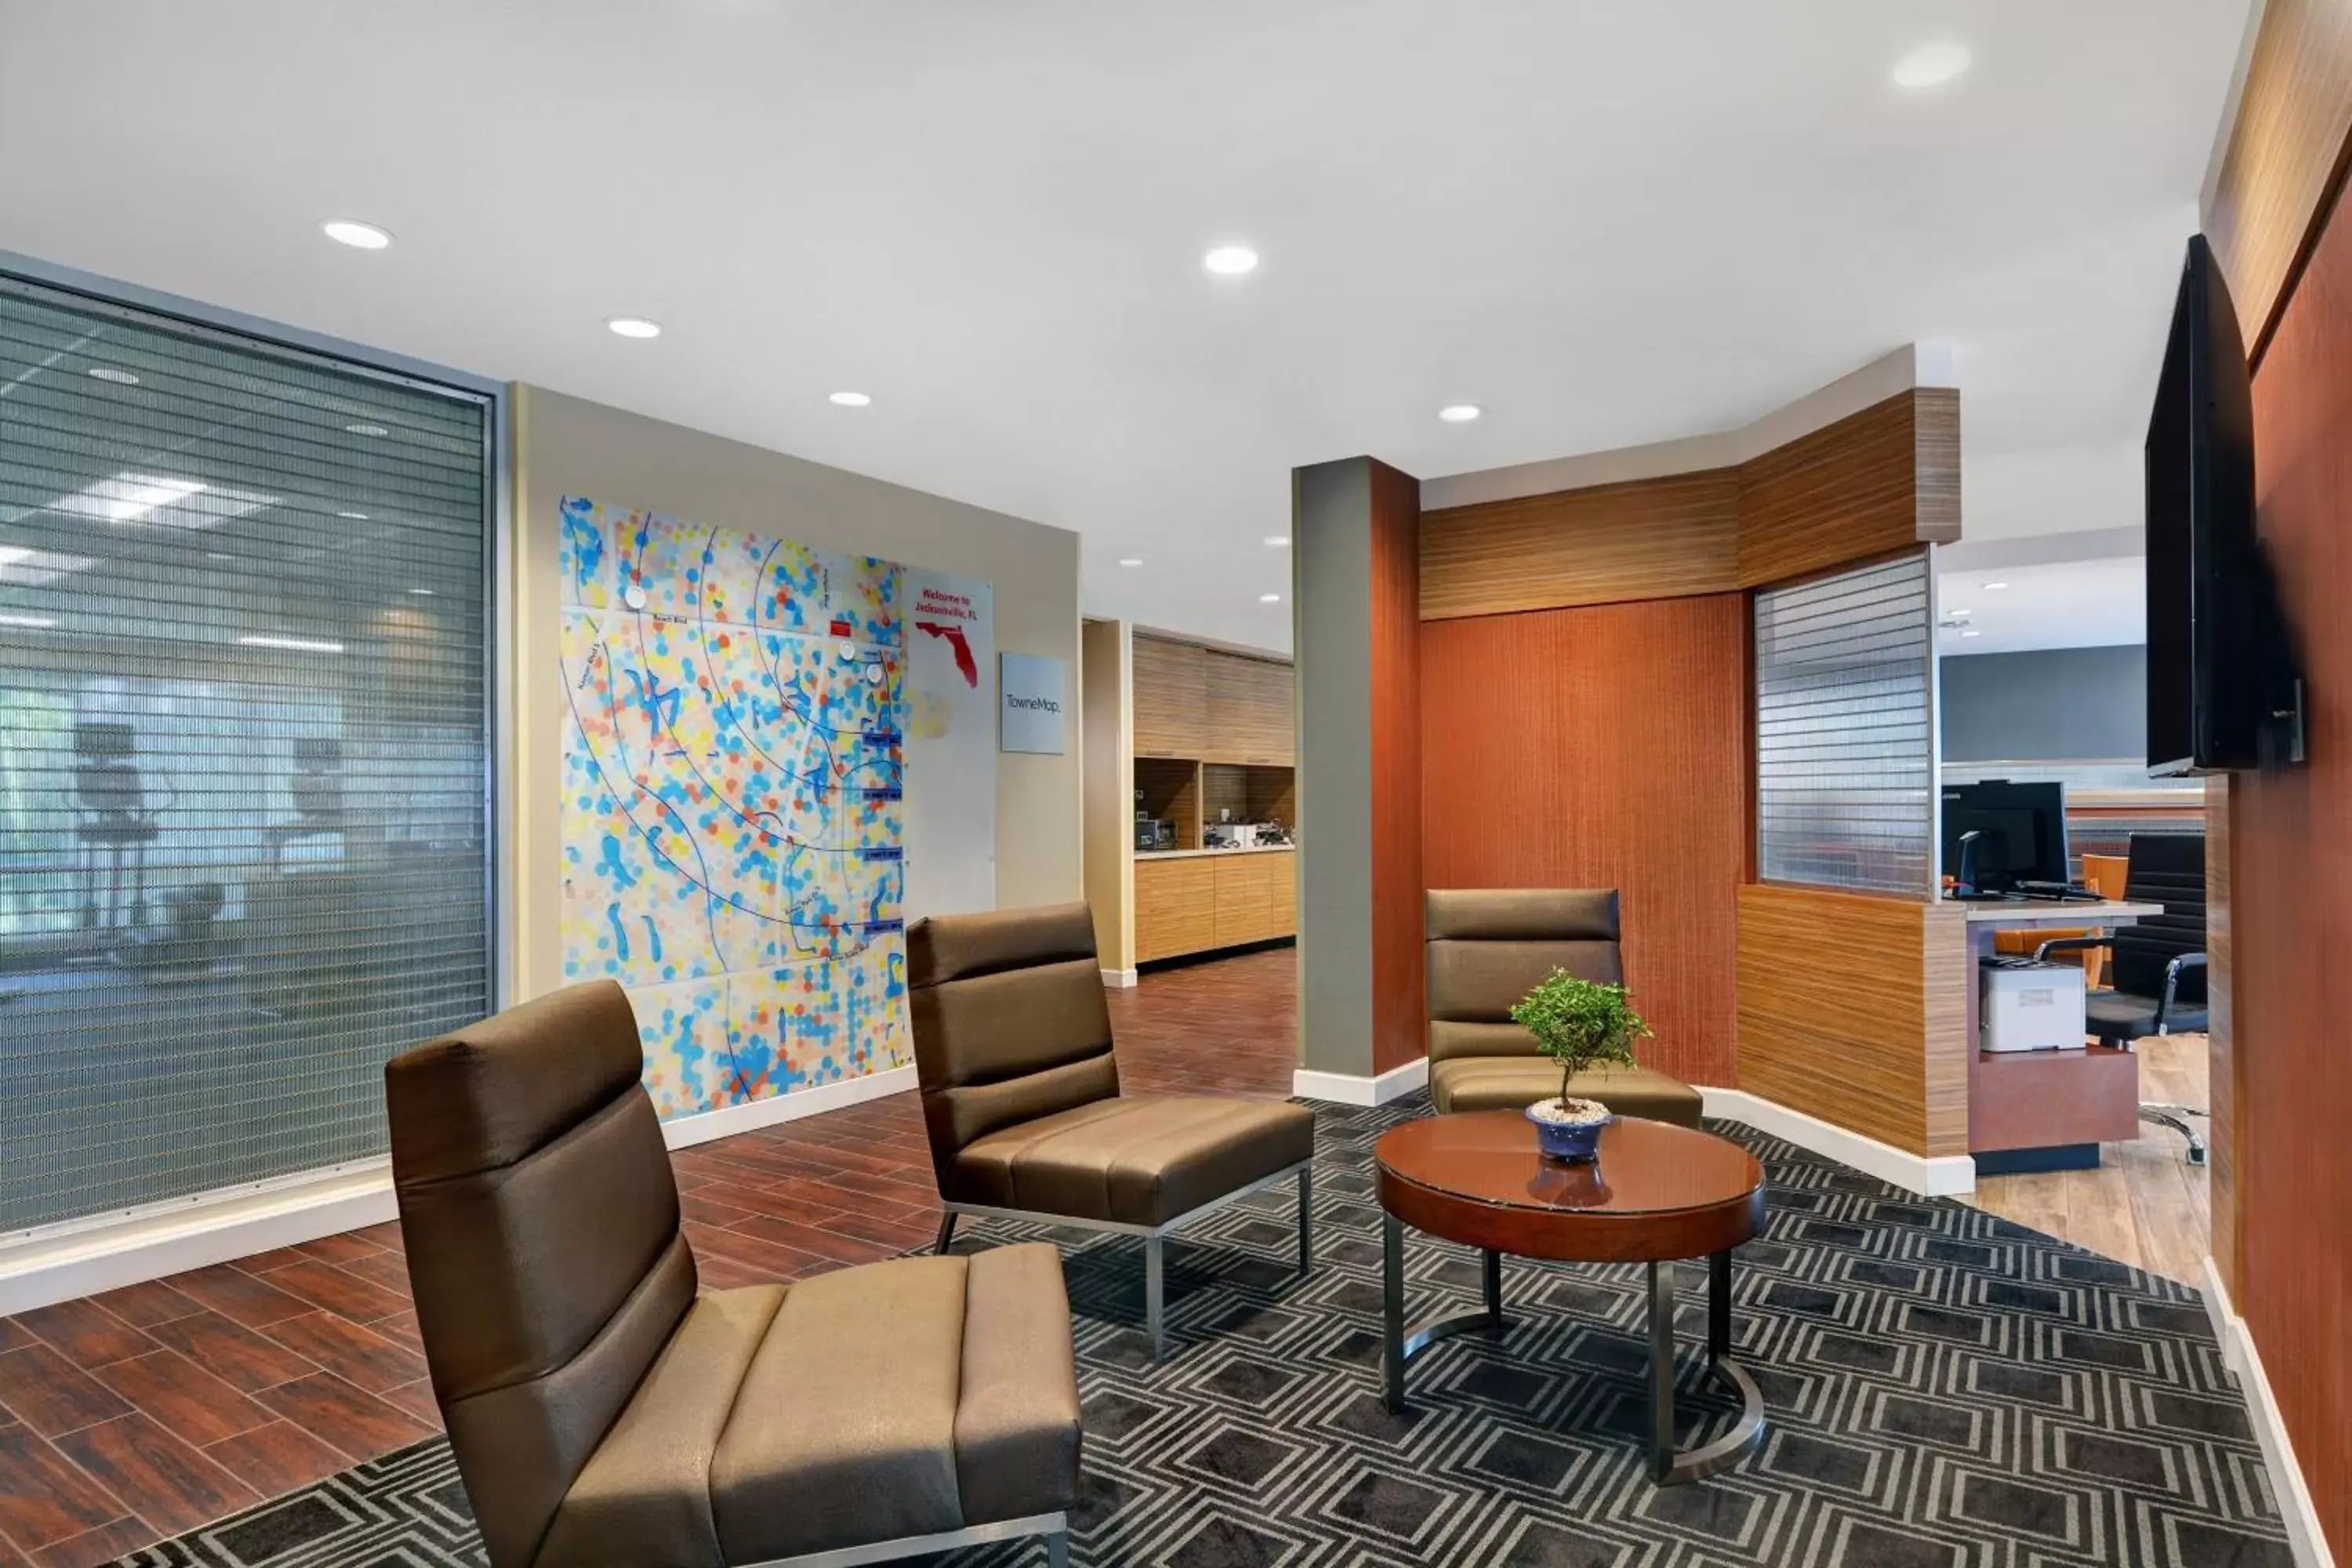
x,y
1972,632
1960,614
1231,260
1276,541
421,593
296,645
634,327
1131,559
851,399
1460,413
1269,598
114,373
354,516
31,622
366,429
219,555
1995,587
357,234
1931,65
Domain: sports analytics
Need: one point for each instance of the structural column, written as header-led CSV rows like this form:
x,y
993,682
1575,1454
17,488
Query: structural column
x,y
1355,601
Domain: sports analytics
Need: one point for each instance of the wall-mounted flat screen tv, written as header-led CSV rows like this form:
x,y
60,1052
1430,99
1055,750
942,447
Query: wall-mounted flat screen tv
x,y
2222,689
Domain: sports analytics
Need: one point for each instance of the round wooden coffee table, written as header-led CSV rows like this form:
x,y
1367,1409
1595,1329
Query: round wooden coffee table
x,y
1656,1194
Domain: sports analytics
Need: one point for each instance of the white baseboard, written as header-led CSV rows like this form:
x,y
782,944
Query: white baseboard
x,y
2304,1538
728,1120
1119,979
44,1270
1937,1176
41,1271
1351,1088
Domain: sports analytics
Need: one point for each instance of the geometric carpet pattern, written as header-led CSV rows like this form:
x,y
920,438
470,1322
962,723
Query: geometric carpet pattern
x,y
1945,1389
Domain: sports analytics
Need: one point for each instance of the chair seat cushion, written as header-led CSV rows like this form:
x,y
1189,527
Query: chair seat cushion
x,y
1133,1160
851,1423
2119,1015
1510,1083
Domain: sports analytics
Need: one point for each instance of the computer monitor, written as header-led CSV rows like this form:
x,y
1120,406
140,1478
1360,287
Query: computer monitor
x,y
2020,832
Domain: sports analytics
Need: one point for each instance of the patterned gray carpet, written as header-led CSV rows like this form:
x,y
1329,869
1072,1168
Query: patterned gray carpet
x,y
1946,1390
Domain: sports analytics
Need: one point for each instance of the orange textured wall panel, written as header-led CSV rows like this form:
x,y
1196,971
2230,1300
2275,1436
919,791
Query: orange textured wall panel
x,y
1604,746
1399,1018
2290,906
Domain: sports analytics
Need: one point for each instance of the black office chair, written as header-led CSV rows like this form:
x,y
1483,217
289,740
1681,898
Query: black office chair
x,y
2156,968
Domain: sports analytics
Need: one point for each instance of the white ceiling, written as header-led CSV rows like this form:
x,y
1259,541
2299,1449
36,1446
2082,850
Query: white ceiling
x,y
1608,223
2060,604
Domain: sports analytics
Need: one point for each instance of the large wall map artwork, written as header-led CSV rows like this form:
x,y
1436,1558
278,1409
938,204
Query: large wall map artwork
x,y
733,823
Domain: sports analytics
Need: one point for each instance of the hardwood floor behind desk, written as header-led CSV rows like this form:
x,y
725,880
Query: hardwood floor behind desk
x,y
2146,1204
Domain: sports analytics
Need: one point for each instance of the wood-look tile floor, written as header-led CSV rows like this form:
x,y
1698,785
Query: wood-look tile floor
x,y
2145,1204
146,1412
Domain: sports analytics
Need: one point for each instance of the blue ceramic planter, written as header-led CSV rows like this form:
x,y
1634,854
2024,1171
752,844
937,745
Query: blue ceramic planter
x,y
1564,1141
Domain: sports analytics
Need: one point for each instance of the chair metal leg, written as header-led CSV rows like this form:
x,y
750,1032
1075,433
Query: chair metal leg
x,y
2172,1115
947,1230
1057,1549
1154,1286
1306,1218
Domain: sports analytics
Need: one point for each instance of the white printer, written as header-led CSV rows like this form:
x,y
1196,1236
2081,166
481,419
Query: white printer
x,y
2028,1005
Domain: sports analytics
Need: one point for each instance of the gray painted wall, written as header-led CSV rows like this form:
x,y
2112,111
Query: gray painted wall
x,y
2053,704
1331,597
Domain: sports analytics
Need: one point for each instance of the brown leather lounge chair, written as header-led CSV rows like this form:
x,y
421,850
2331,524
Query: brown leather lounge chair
x,y
1487,949
1021,1097
603,1413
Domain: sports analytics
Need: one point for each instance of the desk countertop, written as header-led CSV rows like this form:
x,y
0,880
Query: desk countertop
x,y
1202,854
2047,912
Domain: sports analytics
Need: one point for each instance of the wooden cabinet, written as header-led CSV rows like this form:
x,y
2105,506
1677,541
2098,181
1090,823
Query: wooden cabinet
x,y
1171,698
1195,902
1175,906
1248,711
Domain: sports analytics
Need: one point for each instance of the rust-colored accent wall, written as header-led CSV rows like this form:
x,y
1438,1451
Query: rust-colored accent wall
x,y
2290,904
2285,153
1400,1014
1604,746
1853,1008
1874,482
1644,539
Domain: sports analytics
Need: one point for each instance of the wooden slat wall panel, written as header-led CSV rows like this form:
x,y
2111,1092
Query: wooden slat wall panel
x,y
1850,491
1881,480
1250,715
1646,538
1171,698
2287,153
1851,1009
2290,904
1604,746
1399,1019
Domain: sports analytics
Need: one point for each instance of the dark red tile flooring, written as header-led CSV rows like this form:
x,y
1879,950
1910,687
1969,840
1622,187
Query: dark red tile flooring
x,y
147,1411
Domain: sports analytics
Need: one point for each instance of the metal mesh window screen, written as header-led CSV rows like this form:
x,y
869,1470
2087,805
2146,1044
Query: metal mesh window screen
x,y
243,757
1845,731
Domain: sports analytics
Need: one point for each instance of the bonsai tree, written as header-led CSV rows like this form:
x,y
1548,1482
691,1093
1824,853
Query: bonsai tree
x,y
1581,1023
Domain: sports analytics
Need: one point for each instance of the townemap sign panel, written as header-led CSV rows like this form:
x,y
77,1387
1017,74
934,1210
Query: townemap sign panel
x,y
733,822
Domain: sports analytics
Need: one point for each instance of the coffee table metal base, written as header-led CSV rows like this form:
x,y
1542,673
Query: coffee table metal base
x,y
1668,1465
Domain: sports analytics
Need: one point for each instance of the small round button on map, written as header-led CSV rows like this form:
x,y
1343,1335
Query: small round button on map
x,y
633,596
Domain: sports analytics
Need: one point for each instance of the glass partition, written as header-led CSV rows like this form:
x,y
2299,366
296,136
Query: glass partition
x,y
244,773
1845,742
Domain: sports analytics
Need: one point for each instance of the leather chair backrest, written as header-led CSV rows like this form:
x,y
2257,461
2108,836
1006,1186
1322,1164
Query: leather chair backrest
x,y
1488,947
2166,868
1010,1022
540,1220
